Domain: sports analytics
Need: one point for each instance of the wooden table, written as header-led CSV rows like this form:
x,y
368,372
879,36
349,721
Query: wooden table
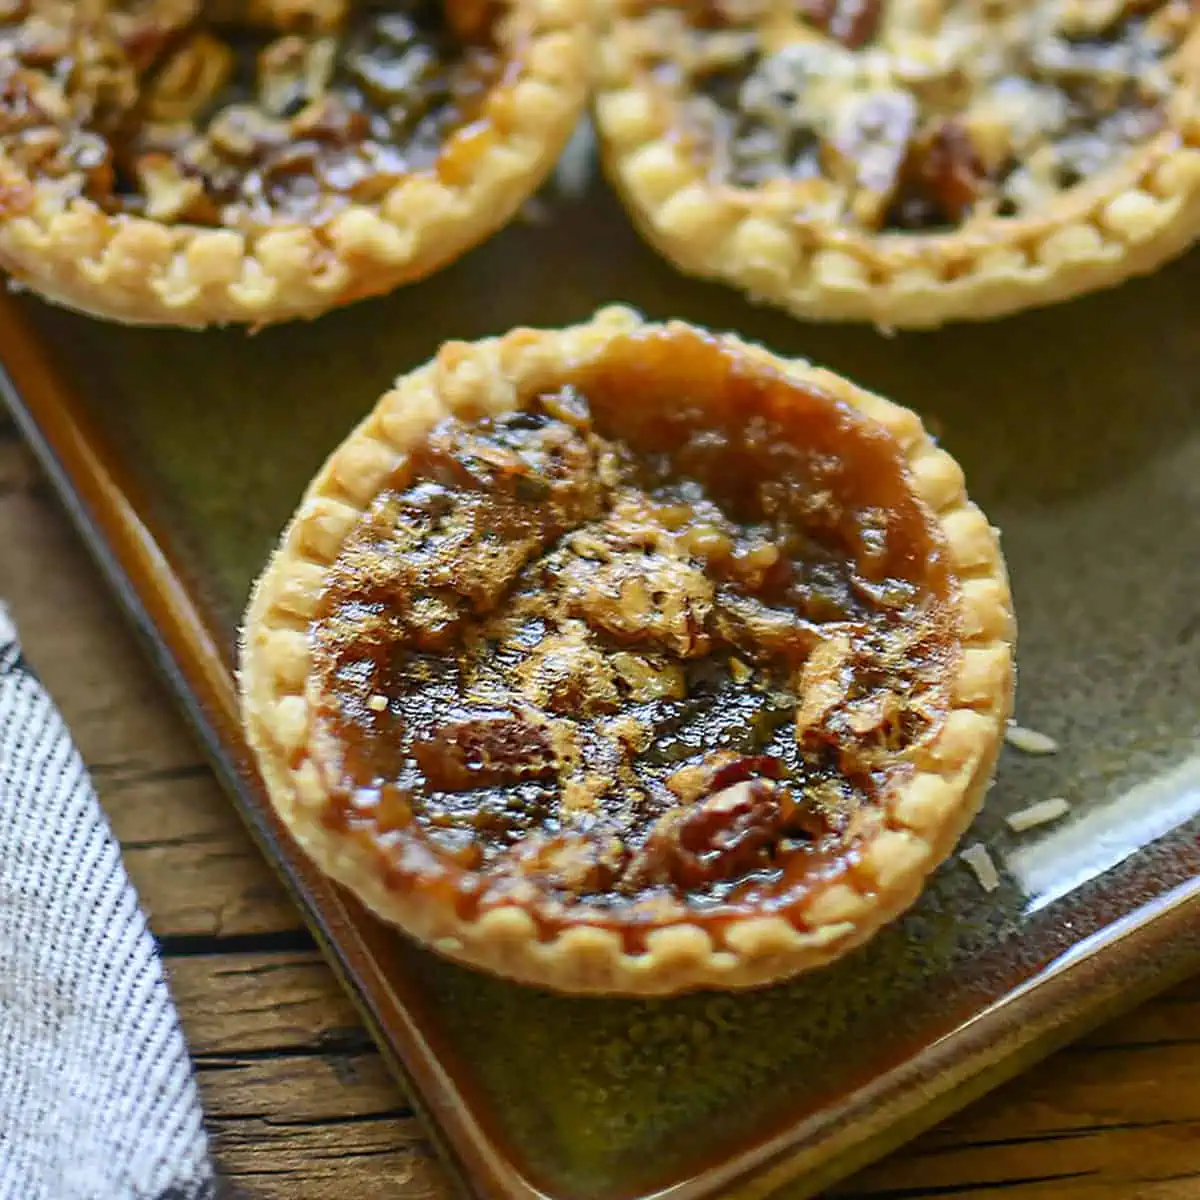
x,y
297,1100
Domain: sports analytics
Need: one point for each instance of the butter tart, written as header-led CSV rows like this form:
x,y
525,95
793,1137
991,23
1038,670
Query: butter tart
x,y
183,162
906,162
628,658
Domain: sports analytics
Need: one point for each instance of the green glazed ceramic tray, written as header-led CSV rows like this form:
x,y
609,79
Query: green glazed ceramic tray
x,y
181,456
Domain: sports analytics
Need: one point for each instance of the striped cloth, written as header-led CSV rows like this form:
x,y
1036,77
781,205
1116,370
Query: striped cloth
x,y
97,1099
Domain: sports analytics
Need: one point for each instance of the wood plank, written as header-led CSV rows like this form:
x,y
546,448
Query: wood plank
x,y
185,846
283,1160
238,1003
296,1097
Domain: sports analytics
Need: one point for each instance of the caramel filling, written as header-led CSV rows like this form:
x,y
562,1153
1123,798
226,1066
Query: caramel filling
x,y
909,116
662,638
237,113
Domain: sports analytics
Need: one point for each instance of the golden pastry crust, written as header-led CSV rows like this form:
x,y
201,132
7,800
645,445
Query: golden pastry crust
x,y
867,873
182,245
901,163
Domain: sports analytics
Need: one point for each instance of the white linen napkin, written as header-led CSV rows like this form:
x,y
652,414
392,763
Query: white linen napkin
x,y
97,1098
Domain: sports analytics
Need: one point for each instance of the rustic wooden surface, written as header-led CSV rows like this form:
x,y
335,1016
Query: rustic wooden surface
x,y
297,1100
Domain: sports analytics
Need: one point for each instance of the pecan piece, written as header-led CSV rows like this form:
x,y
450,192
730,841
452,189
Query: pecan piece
x,y
638,599
567,674
574,862
302,16
39,149
952,168
761,631
720,770
485,747
293,72
719,838
189,79
943,179
748,766
19,107
851,22
40,43
92,156
825,683
568,405
868,147
469,19
242,132
170,195
331,119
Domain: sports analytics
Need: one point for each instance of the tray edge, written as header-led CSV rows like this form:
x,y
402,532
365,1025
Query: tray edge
x,y
206,697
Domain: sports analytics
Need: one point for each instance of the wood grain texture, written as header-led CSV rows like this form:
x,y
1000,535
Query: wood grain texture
x,y
298,1102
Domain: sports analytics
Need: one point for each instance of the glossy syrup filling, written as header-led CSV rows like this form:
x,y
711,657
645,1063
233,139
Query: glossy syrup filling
x,y
902,117
655,642
237,114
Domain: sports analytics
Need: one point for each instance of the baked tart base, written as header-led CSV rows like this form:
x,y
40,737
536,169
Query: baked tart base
x,y
902,163
627,658
179,162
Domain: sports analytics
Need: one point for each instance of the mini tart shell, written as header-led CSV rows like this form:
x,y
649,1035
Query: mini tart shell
x,y
143,272
923,818
1125,222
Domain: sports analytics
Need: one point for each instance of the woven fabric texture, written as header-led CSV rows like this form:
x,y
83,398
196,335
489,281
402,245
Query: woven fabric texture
x,y
97,1097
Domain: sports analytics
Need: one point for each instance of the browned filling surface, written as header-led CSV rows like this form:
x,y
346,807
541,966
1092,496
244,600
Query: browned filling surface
x,y
623,649
916,115
237,112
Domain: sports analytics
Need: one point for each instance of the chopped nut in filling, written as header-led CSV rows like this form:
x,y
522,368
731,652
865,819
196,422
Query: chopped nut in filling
x,y
589,657
235,113
906,115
